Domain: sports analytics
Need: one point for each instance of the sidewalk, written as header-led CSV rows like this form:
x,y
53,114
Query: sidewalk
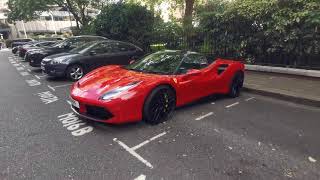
x,y
299,89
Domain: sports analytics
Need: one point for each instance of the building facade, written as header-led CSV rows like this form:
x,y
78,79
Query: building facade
x,y
55,21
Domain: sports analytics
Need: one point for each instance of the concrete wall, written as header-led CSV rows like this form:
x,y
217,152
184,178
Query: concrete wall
x,y
301,72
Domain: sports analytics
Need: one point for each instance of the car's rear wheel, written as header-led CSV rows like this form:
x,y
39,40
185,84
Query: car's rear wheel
x,y
75,72
159,105
236,85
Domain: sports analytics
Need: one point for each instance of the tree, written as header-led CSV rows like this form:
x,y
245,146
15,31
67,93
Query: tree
x,y
127,22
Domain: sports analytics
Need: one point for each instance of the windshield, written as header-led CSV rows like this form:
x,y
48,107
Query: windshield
x,y
60,43
82,49
159,63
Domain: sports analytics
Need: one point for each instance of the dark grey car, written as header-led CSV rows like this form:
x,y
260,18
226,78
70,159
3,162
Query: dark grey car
x,y
89,56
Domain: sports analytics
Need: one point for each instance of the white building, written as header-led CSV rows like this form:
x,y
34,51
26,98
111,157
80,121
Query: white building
x,y
55,21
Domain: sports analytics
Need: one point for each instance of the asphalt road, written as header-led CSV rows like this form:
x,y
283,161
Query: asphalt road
x,y
250,137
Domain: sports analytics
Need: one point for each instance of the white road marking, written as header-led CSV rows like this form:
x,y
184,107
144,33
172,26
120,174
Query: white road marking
x,y
61,85
133,153
29,70
147,141
53,89
69,102
234,104
24,73
33,82
141,177
20,68
43,76
74,124
249,99
23,66
37,76
204,116
47,97
213,103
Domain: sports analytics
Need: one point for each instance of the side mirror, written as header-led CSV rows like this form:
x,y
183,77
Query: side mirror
x,y
193,72
92,53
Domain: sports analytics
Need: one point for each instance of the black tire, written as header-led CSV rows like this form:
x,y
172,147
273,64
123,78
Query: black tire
x,y
236,85
75,72
159,105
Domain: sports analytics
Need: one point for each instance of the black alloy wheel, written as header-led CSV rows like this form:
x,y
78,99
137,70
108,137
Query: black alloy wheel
x,y
159,105
236,85
75,72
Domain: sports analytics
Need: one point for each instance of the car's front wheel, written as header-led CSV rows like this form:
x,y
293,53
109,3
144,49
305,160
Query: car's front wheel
x,y
159,105
75,72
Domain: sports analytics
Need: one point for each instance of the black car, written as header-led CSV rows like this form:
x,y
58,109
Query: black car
x,y
89,56
35,57
35,45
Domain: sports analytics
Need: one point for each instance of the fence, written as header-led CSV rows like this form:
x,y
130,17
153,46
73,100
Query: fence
x,y
258,53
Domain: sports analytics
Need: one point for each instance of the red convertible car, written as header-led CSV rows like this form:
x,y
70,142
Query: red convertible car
x,y
152,87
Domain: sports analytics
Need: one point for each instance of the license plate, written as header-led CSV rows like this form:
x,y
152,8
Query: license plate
x,y
75,104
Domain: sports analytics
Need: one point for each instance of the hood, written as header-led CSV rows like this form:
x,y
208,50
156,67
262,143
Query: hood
x,y
108,78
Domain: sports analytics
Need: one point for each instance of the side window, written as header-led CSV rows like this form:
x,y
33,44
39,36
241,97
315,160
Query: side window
x,y
122,47
222,68
102,48
193,61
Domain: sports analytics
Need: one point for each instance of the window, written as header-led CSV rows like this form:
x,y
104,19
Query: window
x,y
122,47
192,61
102,48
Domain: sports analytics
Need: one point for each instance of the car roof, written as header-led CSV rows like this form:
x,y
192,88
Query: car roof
x,y
182,52
88,36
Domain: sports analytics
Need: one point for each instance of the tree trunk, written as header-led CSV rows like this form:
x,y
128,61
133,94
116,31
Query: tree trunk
x,y
187,21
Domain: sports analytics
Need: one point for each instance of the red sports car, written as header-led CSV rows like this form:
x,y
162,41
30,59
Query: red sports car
x,y
152,87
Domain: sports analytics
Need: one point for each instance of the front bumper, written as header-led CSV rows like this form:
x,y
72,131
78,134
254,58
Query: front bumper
x,y
56,70
35,59
117,111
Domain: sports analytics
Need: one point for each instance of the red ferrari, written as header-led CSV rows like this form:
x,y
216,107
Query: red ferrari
x,y
152,87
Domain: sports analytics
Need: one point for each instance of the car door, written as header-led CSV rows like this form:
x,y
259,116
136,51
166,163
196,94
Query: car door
x,y
96,56
193,77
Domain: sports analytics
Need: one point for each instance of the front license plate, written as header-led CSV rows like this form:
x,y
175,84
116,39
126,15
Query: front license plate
x,y
75,104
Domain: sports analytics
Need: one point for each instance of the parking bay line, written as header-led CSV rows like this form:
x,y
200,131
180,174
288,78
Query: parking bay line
x,y
133,153
204,116
147,141
141,177
234,104
39,77
53,88
132,150
249,99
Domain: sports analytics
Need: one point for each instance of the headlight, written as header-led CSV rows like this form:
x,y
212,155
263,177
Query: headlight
x,y
59,60
54,62
116,92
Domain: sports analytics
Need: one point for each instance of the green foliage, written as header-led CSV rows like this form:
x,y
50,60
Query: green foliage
x,y
25,9
273,31
127,22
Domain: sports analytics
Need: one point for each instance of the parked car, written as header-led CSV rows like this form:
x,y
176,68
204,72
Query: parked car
x,y
77,62
18,42
38,44
151,88
35,57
